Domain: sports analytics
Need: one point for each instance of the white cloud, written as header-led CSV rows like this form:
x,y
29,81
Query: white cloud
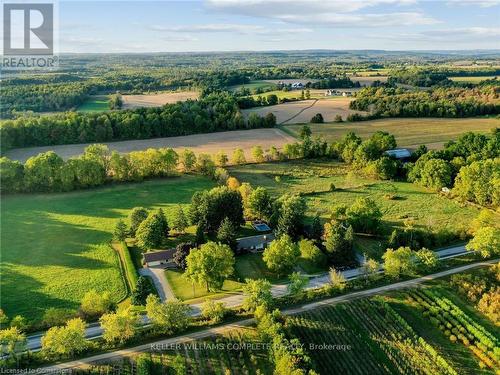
x,y
326,13
477,3
452,35
227,28
269,8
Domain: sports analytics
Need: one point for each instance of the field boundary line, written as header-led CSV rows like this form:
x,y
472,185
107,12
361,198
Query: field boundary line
x,y
299,112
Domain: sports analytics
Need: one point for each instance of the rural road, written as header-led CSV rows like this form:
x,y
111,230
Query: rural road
x,y
95,331
158,345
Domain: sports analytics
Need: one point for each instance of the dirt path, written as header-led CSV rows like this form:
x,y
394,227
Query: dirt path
x,y
299,112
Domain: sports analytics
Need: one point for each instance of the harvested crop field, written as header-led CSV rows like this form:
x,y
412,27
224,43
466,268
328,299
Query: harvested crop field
x,y
301,112
409,132
156,100
210,143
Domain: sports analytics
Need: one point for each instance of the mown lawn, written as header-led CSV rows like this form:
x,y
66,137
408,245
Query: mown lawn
x,y
433,132
50,253
313,178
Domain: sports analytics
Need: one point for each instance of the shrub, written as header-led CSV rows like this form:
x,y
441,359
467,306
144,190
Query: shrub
x,y
317,119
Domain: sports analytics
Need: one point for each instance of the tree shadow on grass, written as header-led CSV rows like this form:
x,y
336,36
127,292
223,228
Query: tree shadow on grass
x,y
21,294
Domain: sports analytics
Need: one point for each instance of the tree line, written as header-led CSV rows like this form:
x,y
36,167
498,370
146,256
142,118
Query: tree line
x,y
439,102
215,112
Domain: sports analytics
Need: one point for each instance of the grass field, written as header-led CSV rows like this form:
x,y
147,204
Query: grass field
x,y
472,79
254,85
408,132
96,103
313,179
49,252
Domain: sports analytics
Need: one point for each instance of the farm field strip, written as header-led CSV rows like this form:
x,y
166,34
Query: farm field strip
x,y
408,131
209,143
157,99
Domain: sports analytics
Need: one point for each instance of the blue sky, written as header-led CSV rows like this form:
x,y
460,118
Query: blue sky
x,y
243,25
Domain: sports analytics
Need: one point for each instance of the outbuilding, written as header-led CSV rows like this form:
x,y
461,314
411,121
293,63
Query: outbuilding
x,y
399,153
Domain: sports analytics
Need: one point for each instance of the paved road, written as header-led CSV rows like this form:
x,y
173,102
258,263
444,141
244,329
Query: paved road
x,y
158,345
278,290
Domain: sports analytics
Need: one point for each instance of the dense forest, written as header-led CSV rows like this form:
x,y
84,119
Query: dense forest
x,y
439,102
214,112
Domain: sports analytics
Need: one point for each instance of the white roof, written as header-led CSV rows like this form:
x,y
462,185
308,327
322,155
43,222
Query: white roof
x,y
399,153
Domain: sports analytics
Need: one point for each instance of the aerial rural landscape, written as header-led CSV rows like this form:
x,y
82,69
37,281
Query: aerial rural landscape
x,y
222,195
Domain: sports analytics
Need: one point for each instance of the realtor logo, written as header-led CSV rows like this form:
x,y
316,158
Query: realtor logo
x,y
29,34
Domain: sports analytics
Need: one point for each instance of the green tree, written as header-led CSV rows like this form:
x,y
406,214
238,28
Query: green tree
x,y
153,231
337,279
171,316
259,203
317,119
19,322
339,242
65,341
370,268
398,262
281,255
316,229
239,157
182,250
209,208
485,218
297,283
57,316
199,235
188,160
288,215
221,159
257,293
12,342
364,215
211,265
11,175
435,174
205,165
43,172
115,101
427,259
136,217
213,310
179,221
141,291
120,231
305,132
486,241
272,99
95,304
310,252
258,154
227,233
120,326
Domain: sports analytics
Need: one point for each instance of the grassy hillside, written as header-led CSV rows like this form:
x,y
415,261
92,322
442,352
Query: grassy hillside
x,y
50,252
313,178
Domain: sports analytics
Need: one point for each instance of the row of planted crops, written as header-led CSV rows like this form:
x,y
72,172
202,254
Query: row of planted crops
x,y
459,327
369,337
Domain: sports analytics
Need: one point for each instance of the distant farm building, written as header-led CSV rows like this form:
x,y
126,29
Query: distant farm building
x,y
254,243
331,92
163,258
297,85
399,153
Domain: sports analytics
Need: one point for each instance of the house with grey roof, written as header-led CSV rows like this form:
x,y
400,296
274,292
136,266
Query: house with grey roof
x,y
254,244
163,258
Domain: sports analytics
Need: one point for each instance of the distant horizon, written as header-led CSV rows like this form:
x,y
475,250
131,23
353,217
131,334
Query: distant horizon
x,y
277,25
